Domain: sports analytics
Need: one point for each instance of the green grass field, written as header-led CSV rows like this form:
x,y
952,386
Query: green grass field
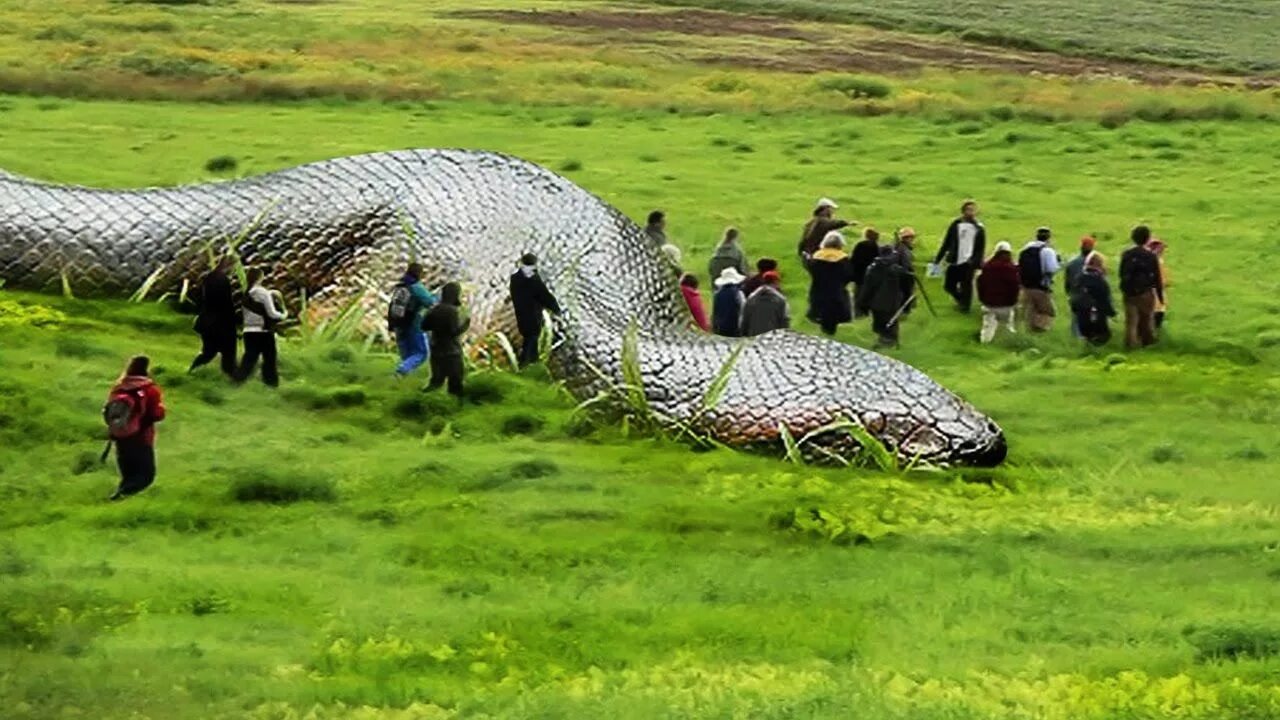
x,y
348,548
1232,35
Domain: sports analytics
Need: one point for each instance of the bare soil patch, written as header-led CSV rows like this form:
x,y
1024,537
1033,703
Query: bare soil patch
x,y
815,50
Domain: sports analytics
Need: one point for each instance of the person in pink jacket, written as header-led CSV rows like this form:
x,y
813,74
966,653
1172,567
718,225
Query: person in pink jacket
x,y
689,288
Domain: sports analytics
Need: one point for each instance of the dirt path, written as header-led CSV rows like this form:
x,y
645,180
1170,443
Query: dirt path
x,y
816,48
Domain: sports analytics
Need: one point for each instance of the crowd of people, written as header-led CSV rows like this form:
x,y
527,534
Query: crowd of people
x,y
872,279
879,280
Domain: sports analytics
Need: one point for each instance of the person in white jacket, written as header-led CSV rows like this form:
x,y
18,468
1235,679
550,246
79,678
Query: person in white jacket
x,y
260,318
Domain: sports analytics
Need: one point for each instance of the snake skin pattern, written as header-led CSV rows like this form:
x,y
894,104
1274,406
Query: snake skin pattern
x,y
341,231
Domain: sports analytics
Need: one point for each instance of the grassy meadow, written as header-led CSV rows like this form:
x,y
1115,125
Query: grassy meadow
x,y
346,547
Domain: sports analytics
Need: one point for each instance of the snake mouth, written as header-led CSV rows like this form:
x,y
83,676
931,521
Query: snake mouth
x,y
990,455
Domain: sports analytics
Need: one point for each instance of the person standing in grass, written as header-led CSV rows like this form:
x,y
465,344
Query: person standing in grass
x,y
998,289
216,322
726,304
693,299
1157,247
656,228
1071,273
260,319
963,247
831,273
1140,284
864,253
728,254
1036,265
1091,301
134,406
822,224
753,283
531,298
904,247
766,309
447,324
882,295
409,301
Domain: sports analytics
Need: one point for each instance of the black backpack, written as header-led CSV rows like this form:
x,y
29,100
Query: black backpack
x,y
1139,272
1030,269
400,310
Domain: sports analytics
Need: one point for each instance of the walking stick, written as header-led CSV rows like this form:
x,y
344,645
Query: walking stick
x,y
928,303
894,320
105,452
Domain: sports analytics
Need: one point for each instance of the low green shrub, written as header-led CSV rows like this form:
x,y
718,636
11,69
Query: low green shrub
x,y
1233,642
522,423
278,488
855,87
221,164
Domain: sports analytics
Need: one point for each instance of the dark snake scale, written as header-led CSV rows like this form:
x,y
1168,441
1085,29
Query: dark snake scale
x,y
341,230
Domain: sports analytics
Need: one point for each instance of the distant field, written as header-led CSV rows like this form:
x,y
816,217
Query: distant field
x,y
1236,35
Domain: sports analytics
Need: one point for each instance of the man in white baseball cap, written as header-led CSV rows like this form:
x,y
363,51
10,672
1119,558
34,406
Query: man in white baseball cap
x,y
822,222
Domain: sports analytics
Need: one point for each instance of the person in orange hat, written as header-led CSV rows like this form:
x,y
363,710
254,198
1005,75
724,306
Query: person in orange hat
x,y
1072,272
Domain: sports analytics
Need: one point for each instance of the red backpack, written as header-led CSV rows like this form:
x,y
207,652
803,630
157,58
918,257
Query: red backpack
x,y
124,412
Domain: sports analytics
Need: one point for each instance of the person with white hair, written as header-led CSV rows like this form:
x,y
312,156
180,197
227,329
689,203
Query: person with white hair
x,y
831,272
819,226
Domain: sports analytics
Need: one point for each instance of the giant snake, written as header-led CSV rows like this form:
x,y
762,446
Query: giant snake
x,y
341,230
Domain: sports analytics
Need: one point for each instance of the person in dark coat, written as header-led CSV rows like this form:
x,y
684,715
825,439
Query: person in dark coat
x,y
753,283
864,253
447,324
963,247
726,304
766,309
216,322
530,297
136,453
819,226
904,248
728,254
831,273
1091,301
881,294
1142,288
998,290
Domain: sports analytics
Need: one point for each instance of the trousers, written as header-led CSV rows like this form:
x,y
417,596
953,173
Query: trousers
x,y
447,369
959,284
214,342
413,347
1038,306
992,318
137,463
259,344
1139,320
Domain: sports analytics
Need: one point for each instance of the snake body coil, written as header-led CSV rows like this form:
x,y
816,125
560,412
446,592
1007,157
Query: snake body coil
x,y
340,230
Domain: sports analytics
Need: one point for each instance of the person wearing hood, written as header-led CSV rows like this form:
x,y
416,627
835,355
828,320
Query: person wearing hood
x,y
409,302
831,273
819,227
216,322
766,309
447,324
763,265
882,295
998,289
726,304
728,254
1072,271
963,247
142,406
1156,246
693,299
1037,264
260,319
530,298
1091,301
864,253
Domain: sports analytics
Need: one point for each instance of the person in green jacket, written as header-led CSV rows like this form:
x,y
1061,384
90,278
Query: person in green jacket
x,y
447,324
728,254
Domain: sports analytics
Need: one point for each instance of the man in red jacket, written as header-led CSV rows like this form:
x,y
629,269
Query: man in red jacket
x,y
998,288
135,434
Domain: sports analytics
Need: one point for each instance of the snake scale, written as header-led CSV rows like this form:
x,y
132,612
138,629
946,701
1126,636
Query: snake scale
x,y
341,230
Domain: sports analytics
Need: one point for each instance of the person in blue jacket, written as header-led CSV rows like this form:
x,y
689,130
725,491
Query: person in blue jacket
x,y
410,299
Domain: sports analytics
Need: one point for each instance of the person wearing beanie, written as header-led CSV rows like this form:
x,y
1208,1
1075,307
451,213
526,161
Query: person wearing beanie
x,y
882,296
766,309
998,290
819,226
727,302
963,247
1072,271
753,283
1091,301
693,300
1157,246
830,273
1037,264
1140,284
530,297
